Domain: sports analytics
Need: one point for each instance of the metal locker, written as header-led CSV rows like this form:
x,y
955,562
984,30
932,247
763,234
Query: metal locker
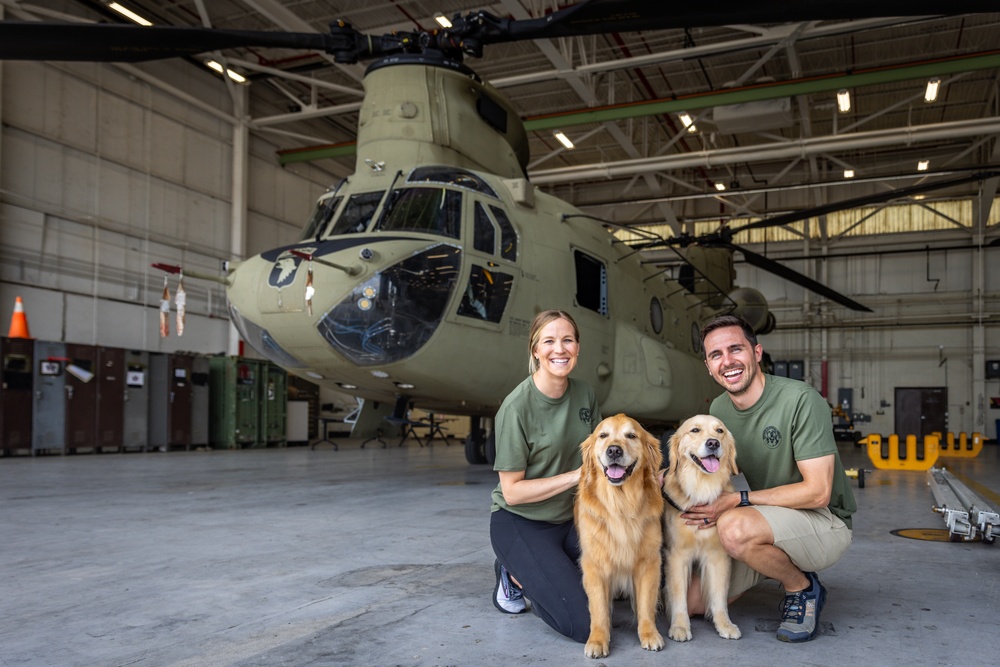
x,y
110,398
16,395
275,406
235,403
169,401
136,393
200,398
81,396
48,423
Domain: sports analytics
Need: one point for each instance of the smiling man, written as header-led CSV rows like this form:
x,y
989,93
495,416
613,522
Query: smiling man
x,y
796,519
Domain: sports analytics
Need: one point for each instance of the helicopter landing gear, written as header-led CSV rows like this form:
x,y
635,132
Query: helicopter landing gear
x,y
480,445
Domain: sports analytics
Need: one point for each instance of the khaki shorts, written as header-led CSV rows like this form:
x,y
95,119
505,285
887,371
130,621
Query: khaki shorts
x,y
813,539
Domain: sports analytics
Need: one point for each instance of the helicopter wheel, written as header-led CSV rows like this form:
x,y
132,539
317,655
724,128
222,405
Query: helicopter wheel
x,y
490,449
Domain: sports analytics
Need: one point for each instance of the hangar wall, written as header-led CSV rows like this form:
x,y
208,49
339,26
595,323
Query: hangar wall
x,y
102,174
929,329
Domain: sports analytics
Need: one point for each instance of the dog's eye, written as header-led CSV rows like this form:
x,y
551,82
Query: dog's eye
x,y
630,436
603,434
696,430
719,430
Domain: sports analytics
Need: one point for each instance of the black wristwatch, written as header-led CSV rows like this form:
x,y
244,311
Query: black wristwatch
x,y
745,499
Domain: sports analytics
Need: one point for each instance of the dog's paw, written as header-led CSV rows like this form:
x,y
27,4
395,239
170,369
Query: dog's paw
x,y
728,630
597,649
680,633
651,641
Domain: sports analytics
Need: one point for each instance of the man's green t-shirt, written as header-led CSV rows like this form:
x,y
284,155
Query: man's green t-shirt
x,y
790,422
542,436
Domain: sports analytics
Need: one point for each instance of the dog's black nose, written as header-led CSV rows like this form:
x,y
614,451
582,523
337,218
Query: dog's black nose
x,y
712,444
614,452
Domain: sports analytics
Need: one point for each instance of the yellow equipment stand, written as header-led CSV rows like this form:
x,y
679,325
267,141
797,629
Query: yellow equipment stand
x,y
964,448
910,459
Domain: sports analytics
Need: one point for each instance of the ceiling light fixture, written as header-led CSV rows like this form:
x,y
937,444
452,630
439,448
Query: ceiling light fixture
x,y
688,122
922,165
720,186
564,140
129,14
442,20
932,90
843,100
238,78
848,173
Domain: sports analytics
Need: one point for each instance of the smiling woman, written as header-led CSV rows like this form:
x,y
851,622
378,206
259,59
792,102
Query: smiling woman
x,y
538,431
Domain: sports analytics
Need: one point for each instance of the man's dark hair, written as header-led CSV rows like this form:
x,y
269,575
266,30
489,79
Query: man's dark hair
x,y
723,321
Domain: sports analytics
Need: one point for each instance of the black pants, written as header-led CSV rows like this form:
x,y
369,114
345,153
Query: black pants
x,y
543,557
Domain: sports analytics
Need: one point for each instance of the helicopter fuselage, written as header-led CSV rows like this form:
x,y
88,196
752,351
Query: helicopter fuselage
x,y
420,274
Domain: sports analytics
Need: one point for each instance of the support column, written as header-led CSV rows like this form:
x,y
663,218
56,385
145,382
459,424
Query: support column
x,y
238,223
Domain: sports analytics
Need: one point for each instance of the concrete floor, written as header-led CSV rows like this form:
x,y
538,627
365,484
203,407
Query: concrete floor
x,y
382,557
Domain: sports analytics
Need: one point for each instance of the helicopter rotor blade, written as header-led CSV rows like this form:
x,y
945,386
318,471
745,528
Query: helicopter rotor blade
x,y
605,16
791,275
116,42
102,42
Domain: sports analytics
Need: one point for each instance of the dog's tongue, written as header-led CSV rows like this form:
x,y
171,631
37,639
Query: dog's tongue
x,y
711,463
617,472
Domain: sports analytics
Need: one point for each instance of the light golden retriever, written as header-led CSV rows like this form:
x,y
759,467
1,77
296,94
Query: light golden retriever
x,y
702,459
618,512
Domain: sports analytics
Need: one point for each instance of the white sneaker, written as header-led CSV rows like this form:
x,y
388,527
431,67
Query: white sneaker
x,y
508,597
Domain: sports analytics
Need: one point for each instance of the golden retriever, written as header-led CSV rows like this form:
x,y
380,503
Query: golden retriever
x,y
702,459
618,512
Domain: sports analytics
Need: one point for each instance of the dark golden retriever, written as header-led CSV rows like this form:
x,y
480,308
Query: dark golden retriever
x,y
702,459
618,513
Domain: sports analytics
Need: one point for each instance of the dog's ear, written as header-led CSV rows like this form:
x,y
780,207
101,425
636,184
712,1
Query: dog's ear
x,y
652,445
586,448
731,454
674,449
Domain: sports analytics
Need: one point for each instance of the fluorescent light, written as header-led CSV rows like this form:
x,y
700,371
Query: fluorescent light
x,y
442,20
922,165
564,140
238,78
720,186
848,173
129,14
843,100
688,122
932,90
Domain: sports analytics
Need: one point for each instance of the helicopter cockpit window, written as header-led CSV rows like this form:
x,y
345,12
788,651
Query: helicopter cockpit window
x,y
484,231
591,283
325,208
428,210
508,236
395,312
451,176
358,213
485,295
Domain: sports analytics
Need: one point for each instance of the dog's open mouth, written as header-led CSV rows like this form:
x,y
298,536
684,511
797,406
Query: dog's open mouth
x,y
708,464
617,474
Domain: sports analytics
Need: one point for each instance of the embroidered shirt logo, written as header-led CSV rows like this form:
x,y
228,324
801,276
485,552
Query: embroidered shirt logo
x,y
586,416
772,437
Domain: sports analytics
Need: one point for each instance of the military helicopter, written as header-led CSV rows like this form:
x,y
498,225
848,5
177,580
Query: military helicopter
x,y
416,278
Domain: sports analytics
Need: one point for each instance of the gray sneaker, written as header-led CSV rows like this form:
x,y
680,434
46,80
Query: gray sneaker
x,y
800,612
507,597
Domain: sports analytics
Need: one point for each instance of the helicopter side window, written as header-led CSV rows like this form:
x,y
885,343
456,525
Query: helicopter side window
x,y
508,236
451,176
591,283
484,231
429,210
358,213
486,293
325,208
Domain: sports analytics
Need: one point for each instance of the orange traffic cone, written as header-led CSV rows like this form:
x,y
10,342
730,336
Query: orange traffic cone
x,y
18,322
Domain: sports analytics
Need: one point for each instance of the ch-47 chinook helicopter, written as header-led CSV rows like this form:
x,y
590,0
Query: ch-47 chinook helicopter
x,y
416,279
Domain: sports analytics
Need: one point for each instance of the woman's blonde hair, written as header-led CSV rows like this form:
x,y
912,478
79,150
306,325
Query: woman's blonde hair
x,y
541,319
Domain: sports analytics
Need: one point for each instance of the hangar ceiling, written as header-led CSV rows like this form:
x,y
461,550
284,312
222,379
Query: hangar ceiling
x,y
764,99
